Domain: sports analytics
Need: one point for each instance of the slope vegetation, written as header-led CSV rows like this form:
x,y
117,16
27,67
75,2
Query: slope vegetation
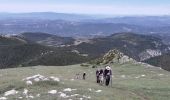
x,y
15,52
138,47
46,39
162,61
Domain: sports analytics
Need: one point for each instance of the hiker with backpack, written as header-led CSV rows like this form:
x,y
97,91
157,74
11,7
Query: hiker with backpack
x,y
97,76
108,75
101,76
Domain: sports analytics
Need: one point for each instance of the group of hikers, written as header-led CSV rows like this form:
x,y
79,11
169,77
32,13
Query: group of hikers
x,y
104,75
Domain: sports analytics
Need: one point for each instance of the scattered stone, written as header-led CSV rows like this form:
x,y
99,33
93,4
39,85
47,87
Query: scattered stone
x,y
123,76
72,79
55,78
25,92
30,96
137,77
20,97
98,91
45,79
3,98
143,75
63,95
33,77
11,92
87,97
160,74
73,89
52,92
29,82
36,79
38,95
69,90
89,89
74,95
81,98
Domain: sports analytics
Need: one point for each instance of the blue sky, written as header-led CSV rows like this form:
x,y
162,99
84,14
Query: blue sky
x,y
107,7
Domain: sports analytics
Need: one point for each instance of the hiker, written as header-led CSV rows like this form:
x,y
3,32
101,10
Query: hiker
x,y
101,76
77,76
101,71
107,75
97,75
84,75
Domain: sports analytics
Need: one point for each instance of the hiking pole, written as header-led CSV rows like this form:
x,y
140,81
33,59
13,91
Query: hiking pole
x,y
111,80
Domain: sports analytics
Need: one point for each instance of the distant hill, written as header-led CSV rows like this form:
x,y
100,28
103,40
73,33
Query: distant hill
x,y
162,61
164,36
149,21
16,53
138,47
6,41
46,39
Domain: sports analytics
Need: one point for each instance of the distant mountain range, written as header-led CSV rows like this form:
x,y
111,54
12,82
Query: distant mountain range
x,y
81,25
45,16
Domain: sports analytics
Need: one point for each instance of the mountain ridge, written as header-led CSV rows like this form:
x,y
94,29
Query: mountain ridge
x,y
133,45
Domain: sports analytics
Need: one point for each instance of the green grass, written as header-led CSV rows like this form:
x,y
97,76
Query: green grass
x,y
150,87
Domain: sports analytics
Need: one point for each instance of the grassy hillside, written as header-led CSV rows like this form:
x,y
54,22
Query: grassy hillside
x,y
5,41
130,82
34,54
13,56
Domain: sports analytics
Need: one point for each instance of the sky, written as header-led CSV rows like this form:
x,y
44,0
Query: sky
x,y
103,7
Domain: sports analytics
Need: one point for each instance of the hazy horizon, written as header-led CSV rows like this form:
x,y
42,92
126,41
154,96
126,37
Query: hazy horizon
x,y
102,7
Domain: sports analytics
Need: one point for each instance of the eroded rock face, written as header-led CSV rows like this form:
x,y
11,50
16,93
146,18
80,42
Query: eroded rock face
x,y
149,53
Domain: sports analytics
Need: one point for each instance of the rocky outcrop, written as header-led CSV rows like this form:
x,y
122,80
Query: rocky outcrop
x,y
113,56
